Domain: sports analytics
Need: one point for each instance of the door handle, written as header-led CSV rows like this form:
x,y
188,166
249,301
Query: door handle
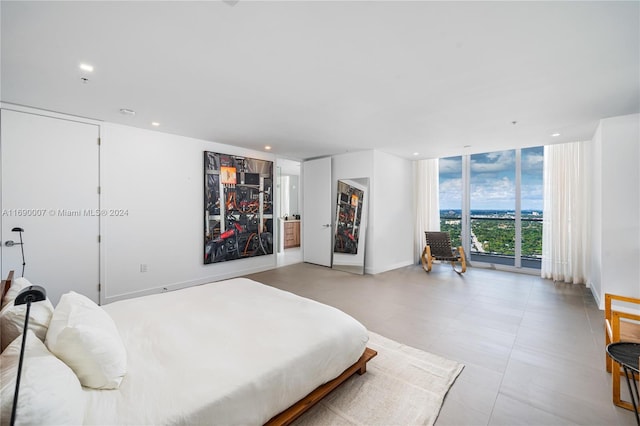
x,y
328,225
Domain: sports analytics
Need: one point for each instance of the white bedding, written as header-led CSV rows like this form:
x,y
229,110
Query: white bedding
x,y
235,352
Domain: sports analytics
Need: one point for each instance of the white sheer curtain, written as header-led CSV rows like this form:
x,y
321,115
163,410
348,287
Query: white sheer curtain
x,y
427,201
566,232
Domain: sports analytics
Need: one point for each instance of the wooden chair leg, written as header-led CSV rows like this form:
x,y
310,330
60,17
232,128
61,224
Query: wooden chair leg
x,y
426,259
607,359
615,383
462,260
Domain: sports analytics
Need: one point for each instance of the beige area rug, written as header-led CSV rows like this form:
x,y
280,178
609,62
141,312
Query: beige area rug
x,y
402,386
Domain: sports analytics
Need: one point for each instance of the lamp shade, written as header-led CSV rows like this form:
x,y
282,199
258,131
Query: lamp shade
x,y
33,293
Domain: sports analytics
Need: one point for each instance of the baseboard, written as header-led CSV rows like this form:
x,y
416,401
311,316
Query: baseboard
x,y
373,271
596,297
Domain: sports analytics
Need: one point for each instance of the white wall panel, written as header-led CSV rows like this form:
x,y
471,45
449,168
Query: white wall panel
x,y
394,219
50,189
616,250
158,179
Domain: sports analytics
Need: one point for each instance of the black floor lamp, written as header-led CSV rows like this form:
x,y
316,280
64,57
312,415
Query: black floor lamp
x,y
27,295
11,243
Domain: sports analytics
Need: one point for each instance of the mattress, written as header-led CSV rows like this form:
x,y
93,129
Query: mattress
x,y
235,352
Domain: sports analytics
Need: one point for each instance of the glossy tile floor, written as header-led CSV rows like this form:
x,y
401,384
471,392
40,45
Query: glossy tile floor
x,y
533,349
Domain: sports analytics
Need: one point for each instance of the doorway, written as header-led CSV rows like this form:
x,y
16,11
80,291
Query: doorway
x,y
50,192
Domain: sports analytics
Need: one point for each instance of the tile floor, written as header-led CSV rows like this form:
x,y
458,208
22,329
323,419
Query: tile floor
x,y
533,349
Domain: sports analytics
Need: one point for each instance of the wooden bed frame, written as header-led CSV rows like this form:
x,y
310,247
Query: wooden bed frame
x,y
4,287
297,409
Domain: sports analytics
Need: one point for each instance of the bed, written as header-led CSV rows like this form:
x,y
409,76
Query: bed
x,y
230,352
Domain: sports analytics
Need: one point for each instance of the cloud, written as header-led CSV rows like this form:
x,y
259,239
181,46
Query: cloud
x,y
451,185
532,161
503,190
451,193
532,195
450,165
493,162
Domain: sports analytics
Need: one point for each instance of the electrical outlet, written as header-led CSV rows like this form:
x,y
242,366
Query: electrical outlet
x,y
143,267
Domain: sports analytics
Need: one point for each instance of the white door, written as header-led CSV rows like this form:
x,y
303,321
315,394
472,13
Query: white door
x,y
50,178
317,211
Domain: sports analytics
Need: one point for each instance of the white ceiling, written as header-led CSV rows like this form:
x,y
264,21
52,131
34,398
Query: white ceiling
x,y
318,78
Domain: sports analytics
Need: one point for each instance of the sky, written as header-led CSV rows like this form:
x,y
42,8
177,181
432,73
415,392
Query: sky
x,y
493,180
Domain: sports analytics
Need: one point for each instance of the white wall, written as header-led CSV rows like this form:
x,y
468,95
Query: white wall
x,y
351,165
389,238
393,222
616,227
158,179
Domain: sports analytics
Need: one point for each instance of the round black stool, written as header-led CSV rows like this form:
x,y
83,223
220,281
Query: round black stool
x,y
627,354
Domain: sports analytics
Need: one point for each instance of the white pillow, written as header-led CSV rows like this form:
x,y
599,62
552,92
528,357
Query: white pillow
x,y
12,320
16,285
85,337
49,391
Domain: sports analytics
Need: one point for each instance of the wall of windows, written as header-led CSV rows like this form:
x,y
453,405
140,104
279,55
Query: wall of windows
x,y
491,203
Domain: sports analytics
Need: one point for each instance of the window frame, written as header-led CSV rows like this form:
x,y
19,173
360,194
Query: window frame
x,y
517,260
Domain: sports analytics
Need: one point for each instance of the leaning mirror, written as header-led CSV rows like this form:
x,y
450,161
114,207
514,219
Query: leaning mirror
x,y
350,225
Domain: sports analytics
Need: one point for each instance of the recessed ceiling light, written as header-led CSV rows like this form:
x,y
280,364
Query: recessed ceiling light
x,y
416,153
86,67
267,147
127,111
555,135
155,123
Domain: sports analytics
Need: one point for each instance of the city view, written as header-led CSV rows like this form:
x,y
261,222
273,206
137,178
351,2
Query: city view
x,y
493,231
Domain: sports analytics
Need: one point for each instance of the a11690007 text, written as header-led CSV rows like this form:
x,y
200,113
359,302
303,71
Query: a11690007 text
x,y
65,212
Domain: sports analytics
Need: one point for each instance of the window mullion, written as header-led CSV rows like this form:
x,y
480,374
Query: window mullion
x,y
518,219
465,234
